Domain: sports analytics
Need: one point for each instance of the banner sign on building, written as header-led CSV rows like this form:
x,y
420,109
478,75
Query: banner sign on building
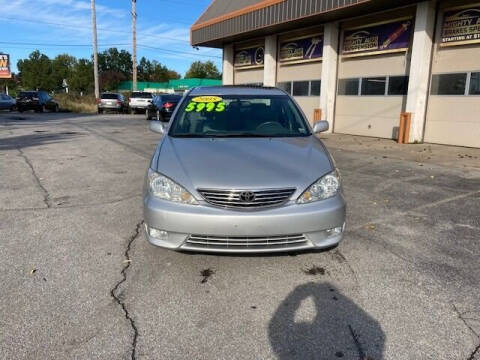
x,y
461,27
5,67
250,57
390,37
306,49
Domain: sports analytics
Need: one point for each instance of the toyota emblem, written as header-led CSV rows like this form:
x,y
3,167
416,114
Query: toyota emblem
x,y
247,196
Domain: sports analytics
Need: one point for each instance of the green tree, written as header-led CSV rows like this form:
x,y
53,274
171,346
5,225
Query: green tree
x,y
81,78
155,71
203,70
62,69
36,72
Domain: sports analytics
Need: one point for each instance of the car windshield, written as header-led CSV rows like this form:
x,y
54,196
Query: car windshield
x,y
141,95
27,94
109,96
171,98
239,116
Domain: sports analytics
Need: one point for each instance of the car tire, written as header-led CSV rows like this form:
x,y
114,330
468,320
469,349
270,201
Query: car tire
x,y
100,111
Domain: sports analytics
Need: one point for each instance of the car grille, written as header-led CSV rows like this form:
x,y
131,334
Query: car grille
x,y
246,243
246,199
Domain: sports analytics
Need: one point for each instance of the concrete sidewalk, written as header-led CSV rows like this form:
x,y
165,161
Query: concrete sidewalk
x,y
467,159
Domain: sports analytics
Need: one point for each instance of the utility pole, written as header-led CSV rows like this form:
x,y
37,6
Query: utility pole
x,y
95,51
134,43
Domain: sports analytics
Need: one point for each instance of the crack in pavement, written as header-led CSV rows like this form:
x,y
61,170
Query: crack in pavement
x,y
358,345
117,297
475,351
46,196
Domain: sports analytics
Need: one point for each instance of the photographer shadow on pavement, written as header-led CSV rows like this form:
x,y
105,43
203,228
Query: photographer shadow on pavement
x,y
336,328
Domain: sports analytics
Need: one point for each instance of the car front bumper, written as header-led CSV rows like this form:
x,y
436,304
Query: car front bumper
x,y
207,228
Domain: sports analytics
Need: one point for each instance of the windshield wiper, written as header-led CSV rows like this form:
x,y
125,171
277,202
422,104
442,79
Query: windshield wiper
x,y
242,134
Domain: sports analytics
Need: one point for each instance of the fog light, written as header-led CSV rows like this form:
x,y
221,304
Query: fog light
x,y
158,234
335,231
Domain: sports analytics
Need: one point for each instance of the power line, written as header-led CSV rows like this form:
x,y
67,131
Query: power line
x,y
58,45
178,51
168,51
99,28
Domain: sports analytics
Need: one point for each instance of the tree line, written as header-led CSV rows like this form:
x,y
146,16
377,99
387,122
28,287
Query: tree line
x,y
38,71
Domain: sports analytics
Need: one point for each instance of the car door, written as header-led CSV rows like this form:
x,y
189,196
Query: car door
x,y
3,101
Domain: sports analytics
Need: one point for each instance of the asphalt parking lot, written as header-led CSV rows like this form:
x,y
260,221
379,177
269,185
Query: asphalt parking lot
x,y
78,279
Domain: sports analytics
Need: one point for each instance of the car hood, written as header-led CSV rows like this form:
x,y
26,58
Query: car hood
x,y
242,163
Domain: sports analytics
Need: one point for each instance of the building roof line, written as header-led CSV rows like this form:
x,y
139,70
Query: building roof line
x,y
261,5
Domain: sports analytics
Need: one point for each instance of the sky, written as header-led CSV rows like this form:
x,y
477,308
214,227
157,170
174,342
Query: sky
x,y
64,26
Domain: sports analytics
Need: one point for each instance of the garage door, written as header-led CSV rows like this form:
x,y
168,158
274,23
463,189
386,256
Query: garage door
x,y
248,63
453,115
373,76
299,68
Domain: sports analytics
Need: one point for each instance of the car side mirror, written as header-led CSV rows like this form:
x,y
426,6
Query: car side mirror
x,y
158,127
320,126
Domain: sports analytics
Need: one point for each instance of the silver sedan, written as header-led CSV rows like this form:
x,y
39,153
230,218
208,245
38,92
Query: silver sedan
x,y
239,170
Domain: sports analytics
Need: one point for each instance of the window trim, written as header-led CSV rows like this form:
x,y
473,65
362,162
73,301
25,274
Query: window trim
x,y
469,78
467,83
360,85
291,82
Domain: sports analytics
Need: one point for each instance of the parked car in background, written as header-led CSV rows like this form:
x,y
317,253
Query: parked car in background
x,y
39,101
111,102
162,107
139,101
7,102
240,169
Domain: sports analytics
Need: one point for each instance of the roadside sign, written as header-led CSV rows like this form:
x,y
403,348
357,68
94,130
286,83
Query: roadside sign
x,y
5,66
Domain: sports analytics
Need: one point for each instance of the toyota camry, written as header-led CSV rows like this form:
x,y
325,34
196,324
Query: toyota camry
x,y
239,169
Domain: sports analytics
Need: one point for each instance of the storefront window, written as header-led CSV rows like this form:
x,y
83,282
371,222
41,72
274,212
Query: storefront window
x,y
475,84
348,86
449,84
374,86
287,86
300,88
397,85
315,88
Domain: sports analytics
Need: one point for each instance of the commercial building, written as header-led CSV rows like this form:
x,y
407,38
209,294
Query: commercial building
x,y
359,64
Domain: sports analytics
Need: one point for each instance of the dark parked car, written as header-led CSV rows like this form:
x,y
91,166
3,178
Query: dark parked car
x,y
162,107
112,102
39,101
7,102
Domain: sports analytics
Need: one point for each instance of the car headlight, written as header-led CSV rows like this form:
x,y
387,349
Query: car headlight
x,y
324,188
164,188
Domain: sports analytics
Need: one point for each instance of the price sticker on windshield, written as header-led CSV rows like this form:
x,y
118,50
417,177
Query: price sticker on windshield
x,y
206,103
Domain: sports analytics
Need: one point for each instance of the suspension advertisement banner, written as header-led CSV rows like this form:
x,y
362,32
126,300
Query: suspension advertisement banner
x,y
5,66
378,39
